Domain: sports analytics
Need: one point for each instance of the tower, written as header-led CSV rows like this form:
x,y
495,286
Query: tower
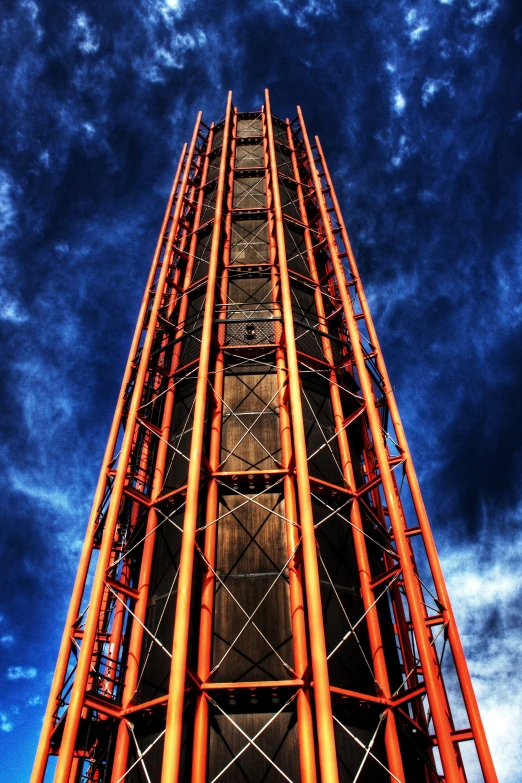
x,y
265,599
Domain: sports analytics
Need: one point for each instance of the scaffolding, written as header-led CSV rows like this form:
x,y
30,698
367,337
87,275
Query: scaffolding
x,y
265,598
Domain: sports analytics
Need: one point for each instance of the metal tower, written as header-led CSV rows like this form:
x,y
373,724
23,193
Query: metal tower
x,y
265,601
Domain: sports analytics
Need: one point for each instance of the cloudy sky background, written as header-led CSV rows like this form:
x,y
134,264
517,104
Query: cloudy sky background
x,y
419,108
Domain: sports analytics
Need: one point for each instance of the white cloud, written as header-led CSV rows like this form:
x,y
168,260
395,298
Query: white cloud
x,y
416,26
171,8
10,309
21,673
399,102
174,57
7,208
485,586
301,10
7,639
5,723
483,11
168,10
431,87
84,34
88,128
32,11
168,45
402,153
34,701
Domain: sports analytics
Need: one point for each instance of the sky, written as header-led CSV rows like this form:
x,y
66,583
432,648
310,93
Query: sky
x,y
419,109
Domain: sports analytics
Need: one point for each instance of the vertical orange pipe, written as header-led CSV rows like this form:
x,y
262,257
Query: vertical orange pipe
x,y
427,653
121,748
466,685
42,752
323,704
305,728
363,563
171,755
89,635
200,744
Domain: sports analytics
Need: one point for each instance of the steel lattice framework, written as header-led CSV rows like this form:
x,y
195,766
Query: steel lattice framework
x,y
265,599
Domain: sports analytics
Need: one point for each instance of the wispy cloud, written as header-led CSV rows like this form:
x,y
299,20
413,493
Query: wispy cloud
x,y
483,11
417,26
7,207
486,591
431,87
5,724
21,673
398,102
304,11
84,33
7,639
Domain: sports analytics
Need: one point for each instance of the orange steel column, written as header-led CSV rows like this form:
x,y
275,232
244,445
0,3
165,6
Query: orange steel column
x,y
461,666
363,562
136,634
42,752
323,704
305,726
427,653
200,745
89,635
171,756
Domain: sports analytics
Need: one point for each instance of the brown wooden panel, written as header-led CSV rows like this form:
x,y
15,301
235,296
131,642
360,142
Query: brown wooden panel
x,y
249,156
250,126
284,162
247,395
202,256
249,242
278,741
155,663
350,755
251,552
289,201
251,539
319,427
249,192
180,435
296,250
251,657
249,292
209,203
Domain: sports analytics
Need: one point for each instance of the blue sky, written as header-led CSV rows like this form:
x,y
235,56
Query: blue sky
x,y
419,109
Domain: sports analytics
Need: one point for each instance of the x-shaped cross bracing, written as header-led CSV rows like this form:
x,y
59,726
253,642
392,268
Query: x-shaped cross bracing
x,y
251,741
243,243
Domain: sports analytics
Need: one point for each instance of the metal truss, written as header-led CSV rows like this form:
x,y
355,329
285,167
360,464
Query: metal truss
x,y
259,594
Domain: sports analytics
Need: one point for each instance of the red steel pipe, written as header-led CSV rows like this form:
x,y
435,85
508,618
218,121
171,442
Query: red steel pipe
x,y
140,610
427,652
84,660
173,732
200,744
363,563
42,752
461,666
323,712
305,726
